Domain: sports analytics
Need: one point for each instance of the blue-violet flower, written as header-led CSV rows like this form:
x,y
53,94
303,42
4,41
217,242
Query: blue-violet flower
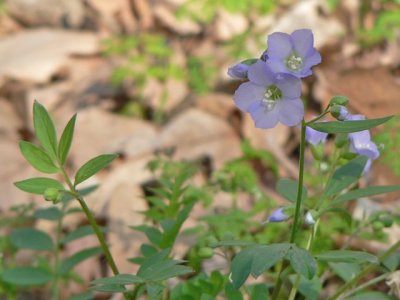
x,y
294,54
315,137
270,97
361,143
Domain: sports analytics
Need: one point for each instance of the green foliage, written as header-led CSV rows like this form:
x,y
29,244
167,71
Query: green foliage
x,y
29,238
26,276
390,138
209,8
345,176
288,189
201,72
348,126
66,140
93,166
384,28
38,185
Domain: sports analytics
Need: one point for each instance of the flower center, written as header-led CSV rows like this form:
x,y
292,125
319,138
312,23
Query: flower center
x,y
271,96
294,62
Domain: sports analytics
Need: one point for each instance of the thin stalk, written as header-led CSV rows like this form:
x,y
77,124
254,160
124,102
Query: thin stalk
x,y
295,228
54,288
367,284
319,117
310,242
93,224
365,271
300,185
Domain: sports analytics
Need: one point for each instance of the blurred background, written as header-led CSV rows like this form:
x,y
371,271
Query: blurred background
x,y
148,76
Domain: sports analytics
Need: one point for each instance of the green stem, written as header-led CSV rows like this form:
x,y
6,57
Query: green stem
x,y
92,222
310,242
300,185
367,284
54,288
279,282
365,271
327,111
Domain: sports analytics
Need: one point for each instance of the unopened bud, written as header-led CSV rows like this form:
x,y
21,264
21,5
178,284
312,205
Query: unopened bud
x,y
341,139
339,112
317,151
205,252
386,220
278,215
310,218
52,194
339,100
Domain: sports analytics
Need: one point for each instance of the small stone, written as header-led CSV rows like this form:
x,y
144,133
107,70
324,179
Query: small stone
x,y
229,25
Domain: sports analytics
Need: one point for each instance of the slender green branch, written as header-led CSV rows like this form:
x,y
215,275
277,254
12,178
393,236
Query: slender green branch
x,y
365,271
367,284
327,111
93,223
279,282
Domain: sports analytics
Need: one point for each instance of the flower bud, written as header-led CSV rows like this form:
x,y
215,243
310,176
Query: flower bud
x,y
317,152
377,225
339,112
205,252
341,139
386,220
278,215
310,217
52,194
339,100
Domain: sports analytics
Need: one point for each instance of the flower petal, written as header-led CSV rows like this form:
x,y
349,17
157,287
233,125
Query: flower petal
x,y
313,59
291,111
259,73
238,71
303,41
277,65
279,45
289,85
247,94
262,117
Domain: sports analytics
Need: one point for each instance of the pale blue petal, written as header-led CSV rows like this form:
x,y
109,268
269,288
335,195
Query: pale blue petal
x,y
277,65
262,117
303,41
290,85
279,45
312,60
290,112
247,94
315,137
259,73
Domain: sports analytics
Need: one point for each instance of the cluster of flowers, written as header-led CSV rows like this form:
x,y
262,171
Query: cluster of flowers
x,y
272,92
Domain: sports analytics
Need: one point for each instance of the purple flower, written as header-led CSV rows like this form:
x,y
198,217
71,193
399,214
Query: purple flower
x,y
270,97
278,215
294,54
361,143
315,137
238,71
